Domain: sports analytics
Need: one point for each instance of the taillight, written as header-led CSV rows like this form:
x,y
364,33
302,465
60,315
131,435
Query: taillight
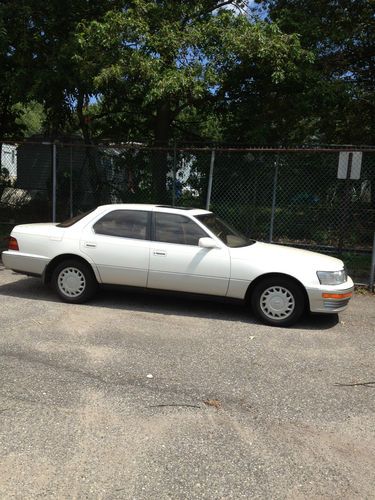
x,y
12,244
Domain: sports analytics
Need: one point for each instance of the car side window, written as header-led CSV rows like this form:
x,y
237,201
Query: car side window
x,y
123,223
174,228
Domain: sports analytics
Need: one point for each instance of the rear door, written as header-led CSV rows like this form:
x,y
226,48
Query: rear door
x,y
119,244
178,263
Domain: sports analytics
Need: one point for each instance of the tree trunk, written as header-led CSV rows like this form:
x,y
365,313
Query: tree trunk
x,y
90,151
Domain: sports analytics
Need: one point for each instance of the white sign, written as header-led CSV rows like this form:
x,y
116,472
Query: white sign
x,y
350,163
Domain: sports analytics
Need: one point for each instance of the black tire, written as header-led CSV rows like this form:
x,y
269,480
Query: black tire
x,y
74,281
278,301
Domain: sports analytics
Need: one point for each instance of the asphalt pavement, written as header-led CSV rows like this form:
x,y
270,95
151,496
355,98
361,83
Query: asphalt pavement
x,y
146,396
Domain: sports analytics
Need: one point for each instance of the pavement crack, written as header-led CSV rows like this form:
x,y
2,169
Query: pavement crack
x,y
354,384
178,405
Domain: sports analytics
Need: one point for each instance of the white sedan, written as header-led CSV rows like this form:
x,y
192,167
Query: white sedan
x,y
184,250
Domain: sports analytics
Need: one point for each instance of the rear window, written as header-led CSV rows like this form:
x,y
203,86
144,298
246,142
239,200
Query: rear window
x,y
124,224
73,220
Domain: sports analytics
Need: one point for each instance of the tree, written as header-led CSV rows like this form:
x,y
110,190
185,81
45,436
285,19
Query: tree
x,y
40,49
8,113
158,61
149,69
31,118
336,99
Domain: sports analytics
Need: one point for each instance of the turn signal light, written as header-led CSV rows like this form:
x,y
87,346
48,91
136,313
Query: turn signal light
x,y
337,295
12,244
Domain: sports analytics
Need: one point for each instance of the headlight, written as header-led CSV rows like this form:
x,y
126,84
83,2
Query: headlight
x,y
332,277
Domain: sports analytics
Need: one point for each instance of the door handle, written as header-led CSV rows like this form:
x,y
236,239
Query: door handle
x,y
90,245
160,253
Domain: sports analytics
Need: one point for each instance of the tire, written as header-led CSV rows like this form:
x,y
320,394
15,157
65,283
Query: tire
x,y
278,301
74,281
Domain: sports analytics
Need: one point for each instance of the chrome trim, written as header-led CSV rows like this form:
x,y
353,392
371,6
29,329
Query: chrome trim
x,y
335,303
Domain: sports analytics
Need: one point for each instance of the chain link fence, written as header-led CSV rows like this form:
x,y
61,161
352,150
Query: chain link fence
x,y
285,196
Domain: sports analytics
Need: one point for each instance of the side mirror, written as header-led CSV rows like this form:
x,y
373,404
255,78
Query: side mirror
x,y
208,243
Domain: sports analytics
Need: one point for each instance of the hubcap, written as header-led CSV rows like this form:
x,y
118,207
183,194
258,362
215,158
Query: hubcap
x,y
71,282
277,302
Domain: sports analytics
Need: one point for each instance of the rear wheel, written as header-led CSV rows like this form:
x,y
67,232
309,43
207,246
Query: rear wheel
x,y
278,301
74,281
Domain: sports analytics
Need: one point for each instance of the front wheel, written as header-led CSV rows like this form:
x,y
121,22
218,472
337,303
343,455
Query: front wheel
x,y
278,301
74,281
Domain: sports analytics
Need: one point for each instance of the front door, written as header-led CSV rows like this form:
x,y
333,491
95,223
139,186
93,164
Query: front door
x,y
178,263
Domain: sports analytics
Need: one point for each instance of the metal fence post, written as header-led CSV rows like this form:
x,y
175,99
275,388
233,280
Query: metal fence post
x,y
71,182
274,199
54,183
372,270
174,175
210,178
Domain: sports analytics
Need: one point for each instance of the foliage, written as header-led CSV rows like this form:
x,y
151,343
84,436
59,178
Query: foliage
x,y
157,63
8,114
334,99
40,51
31,117
287,71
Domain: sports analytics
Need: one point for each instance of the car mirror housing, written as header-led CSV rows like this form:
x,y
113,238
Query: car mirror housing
x,y
208,243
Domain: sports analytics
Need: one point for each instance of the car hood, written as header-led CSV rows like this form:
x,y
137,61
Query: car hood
x,y
278,257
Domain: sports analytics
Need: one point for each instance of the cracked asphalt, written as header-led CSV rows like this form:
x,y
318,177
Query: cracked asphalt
x,y
148,396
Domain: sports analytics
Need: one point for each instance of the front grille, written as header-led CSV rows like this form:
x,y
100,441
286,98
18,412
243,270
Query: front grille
x,y
334,304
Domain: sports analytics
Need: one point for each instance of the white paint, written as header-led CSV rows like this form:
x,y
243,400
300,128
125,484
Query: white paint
x,y
221,271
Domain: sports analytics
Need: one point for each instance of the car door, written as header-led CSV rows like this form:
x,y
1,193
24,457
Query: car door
x,y
178,263
118,242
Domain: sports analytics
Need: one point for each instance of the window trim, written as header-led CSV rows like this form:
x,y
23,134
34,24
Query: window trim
x,y
148,224
191,219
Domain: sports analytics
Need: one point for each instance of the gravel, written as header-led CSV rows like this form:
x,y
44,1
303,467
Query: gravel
x,y
150,396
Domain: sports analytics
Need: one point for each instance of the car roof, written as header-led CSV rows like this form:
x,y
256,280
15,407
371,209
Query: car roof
x,y
157,208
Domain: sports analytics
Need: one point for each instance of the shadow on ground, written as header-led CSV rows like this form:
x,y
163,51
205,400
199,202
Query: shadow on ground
x,y
160,302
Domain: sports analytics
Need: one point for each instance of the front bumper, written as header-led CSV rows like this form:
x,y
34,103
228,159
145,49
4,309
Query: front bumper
x,y
330,299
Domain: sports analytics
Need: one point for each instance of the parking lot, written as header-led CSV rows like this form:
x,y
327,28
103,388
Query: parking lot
x,y
150,396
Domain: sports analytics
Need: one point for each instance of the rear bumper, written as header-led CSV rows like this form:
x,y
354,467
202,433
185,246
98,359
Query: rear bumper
x,y
332,299
24,263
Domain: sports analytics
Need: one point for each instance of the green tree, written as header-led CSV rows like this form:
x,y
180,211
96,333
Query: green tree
x,y
31,117
40,49
8,113
157,64
148,69
334,101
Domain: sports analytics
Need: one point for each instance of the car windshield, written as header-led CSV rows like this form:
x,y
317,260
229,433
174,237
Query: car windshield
x,y
227,234
73,220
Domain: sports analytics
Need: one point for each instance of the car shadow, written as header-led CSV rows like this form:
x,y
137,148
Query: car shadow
x,y
139,300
